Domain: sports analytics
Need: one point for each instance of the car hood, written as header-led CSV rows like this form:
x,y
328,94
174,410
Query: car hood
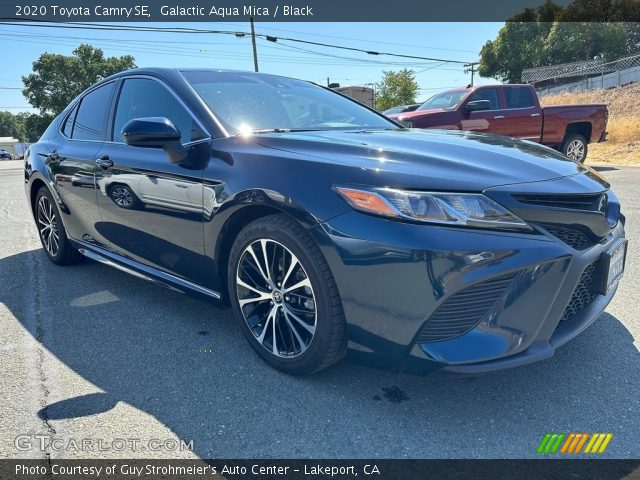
x,y
430,159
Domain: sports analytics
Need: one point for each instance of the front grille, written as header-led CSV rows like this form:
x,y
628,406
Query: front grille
x,y
464,310
571,236
574,202
582,296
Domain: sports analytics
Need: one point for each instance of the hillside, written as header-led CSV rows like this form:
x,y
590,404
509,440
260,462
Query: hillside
x,y
623,143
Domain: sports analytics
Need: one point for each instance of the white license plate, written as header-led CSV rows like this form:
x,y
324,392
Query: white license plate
x,y
616,265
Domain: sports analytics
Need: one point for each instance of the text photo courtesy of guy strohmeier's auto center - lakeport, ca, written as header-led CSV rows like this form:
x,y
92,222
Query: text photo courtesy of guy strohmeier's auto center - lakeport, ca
x,y
305,240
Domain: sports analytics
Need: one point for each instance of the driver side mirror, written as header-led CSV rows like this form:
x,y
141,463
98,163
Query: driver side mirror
x,y
476,105
155,132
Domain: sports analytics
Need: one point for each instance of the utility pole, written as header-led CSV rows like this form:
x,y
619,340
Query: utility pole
x,y
470,68
253,41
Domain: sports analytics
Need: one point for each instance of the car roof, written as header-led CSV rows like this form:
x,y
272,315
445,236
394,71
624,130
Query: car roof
x,y
174,72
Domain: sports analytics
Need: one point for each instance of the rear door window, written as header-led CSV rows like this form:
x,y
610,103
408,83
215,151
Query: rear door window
x,y
91,119
68,124
518,97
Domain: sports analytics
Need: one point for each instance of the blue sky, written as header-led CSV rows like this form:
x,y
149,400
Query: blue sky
x,y
21,45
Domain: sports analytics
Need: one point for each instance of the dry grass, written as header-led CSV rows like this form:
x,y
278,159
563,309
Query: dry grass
x,y
623,142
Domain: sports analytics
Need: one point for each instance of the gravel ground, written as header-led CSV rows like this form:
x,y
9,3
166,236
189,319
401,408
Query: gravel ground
x,y
89,352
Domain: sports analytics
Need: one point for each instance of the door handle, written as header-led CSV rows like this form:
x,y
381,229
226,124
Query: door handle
x,y
104,162
54,155
535,114
180,185
499,117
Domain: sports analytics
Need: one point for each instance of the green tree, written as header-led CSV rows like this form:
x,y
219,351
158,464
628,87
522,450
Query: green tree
x,y
551,35
11,126
58,79
396,88
35,125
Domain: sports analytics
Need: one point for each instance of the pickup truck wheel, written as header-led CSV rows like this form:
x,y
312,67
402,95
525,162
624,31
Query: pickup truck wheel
x,y
284,296
574,146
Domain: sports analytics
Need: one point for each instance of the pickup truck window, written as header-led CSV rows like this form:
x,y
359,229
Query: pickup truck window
x,y
490,94
518,97
444,100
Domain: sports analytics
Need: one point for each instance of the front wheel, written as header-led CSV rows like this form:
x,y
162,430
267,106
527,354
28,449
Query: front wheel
x,y
575,147
284,296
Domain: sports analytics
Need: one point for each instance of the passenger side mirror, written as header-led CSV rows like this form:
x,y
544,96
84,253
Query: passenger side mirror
x,y
155,132
476,105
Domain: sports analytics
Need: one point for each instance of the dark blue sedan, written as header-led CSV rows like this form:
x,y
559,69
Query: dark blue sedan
x,y
327,227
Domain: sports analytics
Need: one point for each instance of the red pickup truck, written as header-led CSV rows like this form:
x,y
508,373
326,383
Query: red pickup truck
x,y
513,110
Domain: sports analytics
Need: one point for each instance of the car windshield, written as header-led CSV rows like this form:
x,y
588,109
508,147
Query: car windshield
x,y
445,100
246,102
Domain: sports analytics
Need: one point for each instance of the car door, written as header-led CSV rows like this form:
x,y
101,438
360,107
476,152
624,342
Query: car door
x,y
483,120
522,115
152,208
72,163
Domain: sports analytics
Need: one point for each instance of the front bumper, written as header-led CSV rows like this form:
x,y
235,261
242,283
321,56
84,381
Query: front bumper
x,y
393,282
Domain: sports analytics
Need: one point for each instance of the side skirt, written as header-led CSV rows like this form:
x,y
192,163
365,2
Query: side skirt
x,y
140,270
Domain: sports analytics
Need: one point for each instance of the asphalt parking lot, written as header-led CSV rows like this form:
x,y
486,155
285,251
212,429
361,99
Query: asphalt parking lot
x,y
89,352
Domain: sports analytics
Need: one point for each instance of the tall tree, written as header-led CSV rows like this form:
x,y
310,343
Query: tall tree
x,y
551,35
11,126
58,79
396,88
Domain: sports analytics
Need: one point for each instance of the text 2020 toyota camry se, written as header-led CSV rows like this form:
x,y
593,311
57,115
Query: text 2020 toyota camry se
x,y
327,227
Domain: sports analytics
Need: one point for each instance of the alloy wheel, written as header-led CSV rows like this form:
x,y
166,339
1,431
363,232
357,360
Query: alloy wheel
x,y
122,196
575,150
48,226
276,298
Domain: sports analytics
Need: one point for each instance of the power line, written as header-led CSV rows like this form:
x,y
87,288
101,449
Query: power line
x,y
142,46
371,41
100,26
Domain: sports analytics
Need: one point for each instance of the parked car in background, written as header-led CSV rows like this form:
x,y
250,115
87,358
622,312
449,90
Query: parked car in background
x,y
515,111
401,109
4,155
325,226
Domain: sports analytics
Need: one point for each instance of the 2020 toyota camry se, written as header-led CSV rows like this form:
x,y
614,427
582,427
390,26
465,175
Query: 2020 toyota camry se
x,y
326,226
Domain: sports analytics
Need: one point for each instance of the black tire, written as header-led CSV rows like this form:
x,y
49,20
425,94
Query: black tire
x,y
123,196
327,344
55,242
575,147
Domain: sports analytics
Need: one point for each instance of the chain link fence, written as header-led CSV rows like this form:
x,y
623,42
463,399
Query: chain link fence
x,y
583,76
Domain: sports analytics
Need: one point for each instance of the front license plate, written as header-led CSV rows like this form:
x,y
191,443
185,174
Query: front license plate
x,y
615,262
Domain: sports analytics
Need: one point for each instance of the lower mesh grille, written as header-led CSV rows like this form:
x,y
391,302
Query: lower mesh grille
x,y
464,310
582,296
572,237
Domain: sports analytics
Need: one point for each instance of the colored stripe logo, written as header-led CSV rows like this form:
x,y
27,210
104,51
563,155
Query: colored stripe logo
x,y
574,443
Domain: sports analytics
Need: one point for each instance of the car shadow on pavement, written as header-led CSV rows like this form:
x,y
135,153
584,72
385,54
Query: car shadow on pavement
x,y
186,363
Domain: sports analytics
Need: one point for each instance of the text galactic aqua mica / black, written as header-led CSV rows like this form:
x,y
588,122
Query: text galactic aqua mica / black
x,y
326,226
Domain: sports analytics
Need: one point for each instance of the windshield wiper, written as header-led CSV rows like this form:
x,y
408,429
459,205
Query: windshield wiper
x,y
280,130
271,130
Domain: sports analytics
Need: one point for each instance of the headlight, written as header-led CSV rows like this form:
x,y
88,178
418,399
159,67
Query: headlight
x,y
464,209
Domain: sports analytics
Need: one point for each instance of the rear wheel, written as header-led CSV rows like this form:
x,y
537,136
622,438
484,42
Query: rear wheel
x,y
285,298
575,147
52,234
